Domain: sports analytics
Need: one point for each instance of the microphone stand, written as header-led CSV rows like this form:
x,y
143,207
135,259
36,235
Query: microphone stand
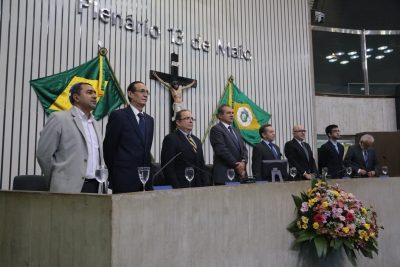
x,y
152,181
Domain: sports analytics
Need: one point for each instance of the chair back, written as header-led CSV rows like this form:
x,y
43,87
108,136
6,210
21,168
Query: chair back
x,y
30,183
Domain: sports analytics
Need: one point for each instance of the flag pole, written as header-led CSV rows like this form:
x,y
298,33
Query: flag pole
x,y
213,117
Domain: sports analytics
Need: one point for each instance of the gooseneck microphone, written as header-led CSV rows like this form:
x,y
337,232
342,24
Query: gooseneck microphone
x,y
152,182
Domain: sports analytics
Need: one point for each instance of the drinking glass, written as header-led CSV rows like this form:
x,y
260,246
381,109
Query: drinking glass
x,y
101,175
385,170
231,174
324,171
293,172
144,175
349,170
189,174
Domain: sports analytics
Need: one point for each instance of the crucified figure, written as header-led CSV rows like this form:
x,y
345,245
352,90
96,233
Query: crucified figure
x,y
176,93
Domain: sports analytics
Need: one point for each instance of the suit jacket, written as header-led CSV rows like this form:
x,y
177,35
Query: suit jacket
x,y
174,172
330,158
226,153
355,159
62,151
262,152
125,150
297,158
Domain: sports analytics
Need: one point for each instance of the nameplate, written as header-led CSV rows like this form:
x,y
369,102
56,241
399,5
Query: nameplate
x,y
163,187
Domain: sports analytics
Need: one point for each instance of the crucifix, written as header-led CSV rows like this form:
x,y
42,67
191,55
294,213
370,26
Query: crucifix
x,y
175,84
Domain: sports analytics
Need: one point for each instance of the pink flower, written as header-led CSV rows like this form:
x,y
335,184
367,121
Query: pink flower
x,y
349,217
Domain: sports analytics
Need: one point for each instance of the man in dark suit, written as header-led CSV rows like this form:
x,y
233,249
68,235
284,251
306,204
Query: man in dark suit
x,y
265,150
331,153
299,154
127,142
230,151
182,140
362,158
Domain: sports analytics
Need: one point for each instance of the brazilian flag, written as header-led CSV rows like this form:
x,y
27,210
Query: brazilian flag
x,y
52,91
248,117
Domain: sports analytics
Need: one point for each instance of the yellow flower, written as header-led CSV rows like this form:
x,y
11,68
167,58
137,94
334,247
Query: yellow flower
x,y
315,225
325,204
366,225
336,193
305,226
364,210
363,235
304,219
310,203
299,224
372,234
345,230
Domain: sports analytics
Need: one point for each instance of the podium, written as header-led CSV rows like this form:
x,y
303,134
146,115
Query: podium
x,y
242,225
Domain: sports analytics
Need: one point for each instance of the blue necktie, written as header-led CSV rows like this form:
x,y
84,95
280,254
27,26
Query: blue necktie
x,y
366,158
141,125
234,137
337,149
273,150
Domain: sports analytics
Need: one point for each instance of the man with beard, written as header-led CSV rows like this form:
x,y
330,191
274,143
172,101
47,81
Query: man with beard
x,y
331,153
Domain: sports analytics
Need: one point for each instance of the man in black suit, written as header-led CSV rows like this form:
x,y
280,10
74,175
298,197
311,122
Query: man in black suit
x,y
265,150
182,140
127,142
230,151
362,158
331,153
299,154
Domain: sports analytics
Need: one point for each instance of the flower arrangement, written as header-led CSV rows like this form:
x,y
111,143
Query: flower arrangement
x,y
331,218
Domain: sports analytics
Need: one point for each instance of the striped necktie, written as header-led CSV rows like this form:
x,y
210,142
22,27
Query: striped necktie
x,y
192,143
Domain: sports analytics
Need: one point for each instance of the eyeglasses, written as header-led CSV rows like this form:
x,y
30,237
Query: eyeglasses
x,y
188,118
142,91
300,131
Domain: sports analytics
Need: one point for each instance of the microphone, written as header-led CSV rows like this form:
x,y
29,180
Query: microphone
x,y
361,167
152,182
337,174
197,168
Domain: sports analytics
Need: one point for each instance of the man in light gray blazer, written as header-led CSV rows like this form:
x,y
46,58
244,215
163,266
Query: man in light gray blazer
x,y
230,151
70,145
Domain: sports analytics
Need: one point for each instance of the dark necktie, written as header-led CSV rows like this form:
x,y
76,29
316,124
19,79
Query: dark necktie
x,y
192,143
234,137
366,158
305,150
273,150
141,125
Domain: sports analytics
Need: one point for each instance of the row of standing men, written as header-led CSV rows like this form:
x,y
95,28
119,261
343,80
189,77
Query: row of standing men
x,y
70,147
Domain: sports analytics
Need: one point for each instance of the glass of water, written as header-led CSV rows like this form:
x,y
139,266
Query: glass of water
x,y
144,175
293,172
101,174
231,174
189,174
385,170
349,170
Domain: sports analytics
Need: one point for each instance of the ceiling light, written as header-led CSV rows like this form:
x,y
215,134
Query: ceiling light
x,y
362,89
333,60
388,51
382,48
340,53
369,49
354,57
329,57
379,57
344,62
352,53
368,56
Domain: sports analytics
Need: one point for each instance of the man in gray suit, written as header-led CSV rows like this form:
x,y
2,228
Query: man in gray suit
x,y
265,150
70,145
230,151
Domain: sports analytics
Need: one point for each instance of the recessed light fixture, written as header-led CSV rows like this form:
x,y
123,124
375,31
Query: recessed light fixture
x,y
380,57
354,57
369,49
329,57
344,62
352,53
333,60
340,53
368,56
382,48
388,51
362,89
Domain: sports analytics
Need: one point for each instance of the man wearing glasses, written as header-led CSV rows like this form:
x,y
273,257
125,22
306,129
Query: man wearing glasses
x,y
127,142
330,154
190,151
299,154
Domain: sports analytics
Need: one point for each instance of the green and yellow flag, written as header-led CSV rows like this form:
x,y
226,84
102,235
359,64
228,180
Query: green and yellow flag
x,y
248,117
52,91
